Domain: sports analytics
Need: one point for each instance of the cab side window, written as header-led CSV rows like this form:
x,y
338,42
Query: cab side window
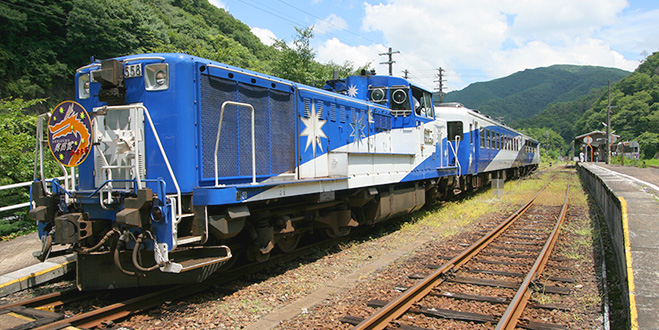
x,y
454,130
422,103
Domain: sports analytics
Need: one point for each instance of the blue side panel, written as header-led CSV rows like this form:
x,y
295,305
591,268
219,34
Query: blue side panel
x,y
313,134
172,111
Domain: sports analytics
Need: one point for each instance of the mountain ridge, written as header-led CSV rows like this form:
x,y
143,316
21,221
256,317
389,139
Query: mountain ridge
x,y
526,93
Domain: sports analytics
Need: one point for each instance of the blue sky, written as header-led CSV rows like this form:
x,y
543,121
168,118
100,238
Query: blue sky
x,y
472,40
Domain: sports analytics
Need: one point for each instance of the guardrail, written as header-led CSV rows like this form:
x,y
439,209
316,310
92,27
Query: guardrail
x,y
14,186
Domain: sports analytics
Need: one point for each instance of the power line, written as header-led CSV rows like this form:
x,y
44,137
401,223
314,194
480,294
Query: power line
x,y
328,22
297,24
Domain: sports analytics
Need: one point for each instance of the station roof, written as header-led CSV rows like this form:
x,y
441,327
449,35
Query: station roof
x,y
598,137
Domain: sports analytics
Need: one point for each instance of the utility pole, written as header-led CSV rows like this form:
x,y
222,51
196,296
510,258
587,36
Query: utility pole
x,y
441,80
608,128
405,72
391,61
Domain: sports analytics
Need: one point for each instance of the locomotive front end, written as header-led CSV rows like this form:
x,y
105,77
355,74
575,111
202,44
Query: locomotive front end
x,y
127,147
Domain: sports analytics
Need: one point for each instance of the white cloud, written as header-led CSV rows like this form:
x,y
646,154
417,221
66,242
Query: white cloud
x,y
331,23
218,4
338,52
636,32
499,36
266,36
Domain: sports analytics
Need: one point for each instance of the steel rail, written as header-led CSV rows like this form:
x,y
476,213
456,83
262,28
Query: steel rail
x,y
50,299
517,305
115,312
400,305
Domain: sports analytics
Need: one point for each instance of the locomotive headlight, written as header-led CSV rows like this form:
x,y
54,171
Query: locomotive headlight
x,y
83,86
156,76
399,96
378,95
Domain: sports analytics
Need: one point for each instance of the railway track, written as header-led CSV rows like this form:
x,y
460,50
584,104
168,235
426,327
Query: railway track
x,y
133,303
482,283
36,313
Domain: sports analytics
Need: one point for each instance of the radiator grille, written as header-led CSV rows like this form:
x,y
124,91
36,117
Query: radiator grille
x,y
274,129
382,122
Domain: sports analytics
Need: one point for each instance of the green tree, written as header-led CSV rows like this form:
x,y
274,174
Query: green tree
x,y
551,142
295,63
298,63
649,144
635,102
17,143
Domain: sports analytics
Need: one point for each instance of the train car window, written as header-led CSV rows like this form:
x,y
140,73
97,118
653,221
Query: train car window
x,y
454,130
482,131
471,134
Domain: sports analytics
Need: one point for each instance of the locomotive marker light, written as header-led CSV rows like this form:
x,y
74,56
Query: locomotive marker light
x,y
156,76
83,86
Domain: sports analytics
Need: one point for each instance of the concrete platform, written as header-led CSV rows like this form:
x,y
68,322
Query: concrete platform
x,y
19,270
631,208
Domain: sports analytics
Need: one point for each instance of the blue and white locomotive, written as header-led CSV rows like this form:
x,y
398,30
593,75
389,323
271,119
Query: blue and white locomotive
x,y
189,162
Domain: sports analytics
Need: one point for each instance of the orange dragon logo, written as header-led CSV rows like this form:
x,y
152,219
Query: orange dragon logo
x,y
69,133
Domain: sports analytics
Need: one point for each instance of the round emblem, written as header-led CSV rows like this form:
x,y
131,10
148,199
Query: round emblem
x,y
588,139
70,133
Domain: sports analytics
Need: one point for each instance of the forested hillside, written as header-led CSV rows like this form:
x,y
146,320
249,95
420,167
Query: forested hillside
x,y
635,112
526,93
44,41
561,116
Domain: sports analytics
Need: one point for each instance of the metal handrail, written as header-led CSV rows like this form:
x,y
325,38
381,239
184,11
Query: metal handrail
x,y
19,185
160,147
14,207
164,156
455,152
217,140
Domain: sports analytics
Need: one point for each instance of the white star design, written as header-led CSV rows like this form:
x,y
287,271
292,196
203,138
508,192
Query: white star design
x,y
357,128
313,129
352,91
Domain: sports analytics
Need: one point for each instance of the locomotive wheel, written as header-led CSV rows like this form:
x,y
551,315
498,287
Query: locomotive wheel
x,y
253,254
343,231
288,243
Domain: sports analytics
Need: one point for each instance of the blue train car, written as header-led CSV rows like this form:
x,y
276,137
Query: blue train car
x,y
179,163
